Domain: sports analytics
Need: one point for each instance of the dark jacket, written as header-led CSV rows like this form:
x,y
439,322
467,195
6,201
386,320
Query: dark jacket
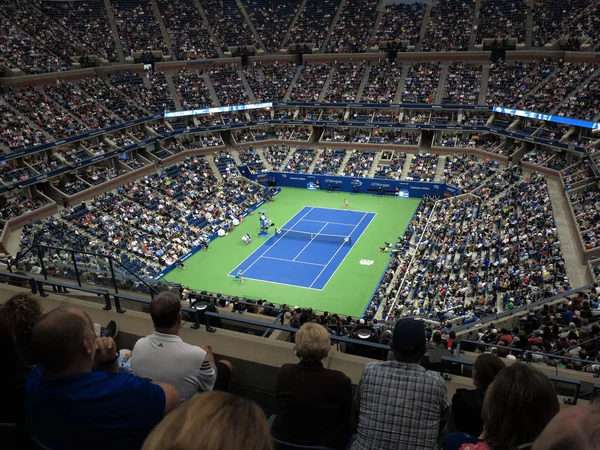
x,y
466,411
315,406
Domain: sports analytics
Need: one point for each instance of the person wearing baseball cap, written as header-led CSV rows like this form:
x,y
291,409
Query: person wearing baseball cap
x,y
401,405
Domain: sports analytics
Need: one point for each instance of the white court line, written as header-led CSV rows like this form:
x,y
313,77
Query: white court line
x,y
311,241
337,251
332,223
293,261
340,209
269,248
275,282
342,261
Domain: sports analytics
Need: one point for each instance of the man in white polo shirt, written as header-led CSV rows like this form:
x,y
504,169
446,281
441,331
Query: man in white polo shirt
x,y
163,356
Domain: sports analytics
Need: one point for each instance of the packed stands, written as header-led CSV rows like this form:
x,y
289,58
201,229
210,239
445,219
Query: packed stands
x,y
500,19
192,90
567,77
584,103
228,87
553,19
120,105
189,37
586,207
44,113
228,23
272,19
251,158
359,164
18,205
509,83
88,21
155,98
467,172
449,27
138,28
345,82
269,83
421,83
276,155
352,31
329,161
300,160
401,22
383,83
423,167
463,83
314,22
390,165
310,83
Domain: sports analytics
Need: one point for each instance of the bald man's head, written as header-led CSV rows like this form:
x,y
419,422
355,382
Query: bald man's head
x,y
574,428
63,338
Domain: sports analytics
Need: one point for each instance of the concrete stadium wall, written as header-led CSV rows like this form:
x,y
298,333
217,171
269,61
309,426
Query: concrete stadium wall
x,y
256,360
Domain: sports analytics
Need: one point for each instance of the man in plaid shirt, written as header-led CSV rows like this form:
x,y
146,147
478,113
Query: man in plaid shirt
x,y
402,406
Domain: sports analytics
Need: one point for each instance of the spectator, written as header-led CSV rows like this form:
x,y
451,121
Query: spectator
x,y
518,405
76,394
401,404
315,404
163,356
212,421
572,428
17,318
468,404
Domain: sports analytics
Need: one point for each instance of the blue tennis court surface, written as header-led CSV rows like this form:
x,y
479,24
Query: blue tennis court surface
x,y
309,248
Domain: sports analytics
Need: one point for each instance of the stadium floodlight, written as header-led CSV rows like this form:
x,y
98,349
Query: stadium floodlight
x,y
220,109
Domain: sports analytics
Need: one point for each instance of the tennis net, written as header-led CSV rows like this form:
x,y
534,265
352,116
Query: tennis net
x,y
314,236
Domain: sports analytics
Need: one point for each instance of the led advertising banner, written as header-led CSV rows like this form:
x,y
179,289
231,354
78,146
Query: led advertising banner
x,y
547,117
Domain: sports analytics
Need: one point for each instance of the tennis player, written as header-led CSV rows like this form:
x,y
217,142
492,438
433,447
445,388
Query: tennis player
x,y
346,204
238,276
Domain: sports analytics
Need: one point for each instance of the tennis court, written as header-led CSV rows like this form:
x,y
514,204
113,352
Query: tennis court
x,y
308,249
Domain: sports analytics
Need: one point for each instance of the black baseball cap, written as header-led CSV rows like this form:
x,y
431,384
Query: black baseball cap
x,y
409,332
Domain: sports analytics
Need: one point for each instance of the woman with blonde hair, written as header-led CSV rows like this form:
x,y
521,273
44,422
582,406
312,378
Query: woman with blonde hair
x,y
212,421
315,404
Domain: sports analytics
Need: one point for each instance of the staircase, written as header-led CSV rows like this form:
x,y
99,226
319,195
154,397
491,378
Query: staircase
x,y
287,37
113,26
213,37
440,168
529,28
163,28
378,19
363,83
236,156
263,158
373,169
246,85
326,85
404,173
573,93
257,38
541,84
334,22
440,90
424,25
287,158
173,90
213,167
485,81
344,162
402,82
286,97
476,13
211,89
315,160
575,270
